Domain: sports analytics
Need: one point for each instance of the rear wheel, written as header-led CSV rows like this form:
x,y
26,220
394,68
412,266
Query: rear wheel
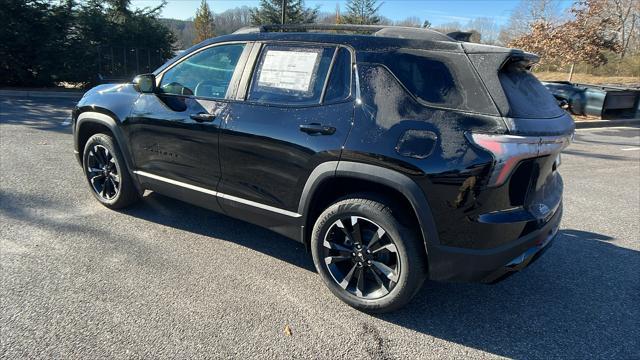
x,y
366,256
107,174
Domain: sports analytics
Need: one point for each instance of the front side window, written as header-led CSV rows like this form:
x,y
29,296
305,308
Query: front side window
x,y
291,75
207,74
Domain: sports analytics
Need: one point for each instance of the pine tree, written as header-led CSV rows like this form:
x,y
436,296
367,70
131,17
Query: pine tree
x,y
119,10
203,23
362,12
270,12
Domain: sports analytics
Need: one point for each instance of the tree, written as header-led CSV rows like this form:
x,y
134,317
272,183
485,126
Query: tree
x,y
183,30
270,12
203,23
544,40
526,14
411,21
625,16
589,33
384,21
486,27
32,37
585,38
449,27
72,37
362,12
233,19
325,17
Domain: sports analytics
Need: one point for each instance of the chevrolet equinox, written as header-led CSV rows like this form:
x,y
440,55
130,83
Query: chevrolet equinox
x,y
394,154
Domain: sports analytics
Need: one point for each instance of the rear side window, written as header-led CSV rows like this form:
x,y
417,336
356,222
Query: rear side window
x,y
440,79
291,75
429,79
339,86
527,97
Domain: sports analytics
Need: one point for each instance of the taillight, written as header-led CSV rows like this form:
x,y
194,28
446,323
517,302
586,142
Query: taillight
x,y
509,150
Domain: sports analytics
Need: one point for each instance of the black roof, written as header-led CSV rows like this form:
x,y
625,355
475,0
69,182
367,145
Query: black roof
x,y
379,38
352,35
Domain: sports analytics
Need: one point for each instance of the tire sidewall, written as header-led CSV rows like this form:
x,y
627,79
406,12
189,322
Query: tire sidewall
x,y
393,229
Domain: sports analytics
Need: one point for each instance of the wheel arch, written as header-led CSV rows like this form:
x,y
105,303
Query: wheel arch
x,y
89,123
327,184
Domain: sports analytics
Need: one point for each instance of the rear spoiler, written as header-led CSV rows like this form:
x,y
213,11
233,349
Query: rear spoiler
x,y
521,58
489,60
499,56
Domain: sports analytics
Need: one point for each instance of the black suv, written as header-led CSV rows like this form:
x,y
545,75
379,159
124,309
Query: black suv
x,y
393,154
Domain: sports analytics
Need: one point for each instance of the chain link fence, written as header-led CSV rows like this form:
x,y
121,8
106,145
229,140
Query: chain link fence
x,y
123,63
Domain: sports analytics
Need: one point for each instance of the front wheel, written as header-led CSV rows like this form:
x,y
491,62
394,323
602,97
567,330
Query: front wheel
x,y
366,257
107,173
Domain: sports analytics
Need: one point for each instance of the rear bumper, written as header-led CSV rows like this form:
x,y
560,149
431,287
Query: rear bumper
x,y
491,265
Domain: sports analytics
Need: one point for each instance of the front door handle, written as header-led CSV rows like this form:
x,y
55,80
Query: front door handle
x,y
315,128
203,117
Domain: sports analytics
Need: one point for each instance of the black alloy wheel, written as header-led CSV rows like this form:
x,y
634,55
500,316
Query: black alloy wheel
x,y
366,256
102,172
361,257
107,173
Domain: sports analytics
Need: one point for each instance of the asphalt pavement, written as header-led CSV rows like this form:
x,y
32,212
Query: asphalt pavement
x,y
165,279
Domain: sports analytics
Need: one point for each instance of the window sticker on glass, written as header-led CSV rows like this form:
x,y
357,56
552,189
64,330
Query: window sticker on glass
x,y
288,70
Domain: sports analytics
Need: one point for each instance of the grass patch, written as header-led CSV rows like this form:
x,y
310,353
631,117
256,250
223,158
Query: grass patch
x,y
589,79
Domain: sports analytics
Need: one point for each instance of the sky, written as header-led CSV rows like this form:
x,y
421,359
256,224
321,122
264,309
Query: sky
x,y
436,11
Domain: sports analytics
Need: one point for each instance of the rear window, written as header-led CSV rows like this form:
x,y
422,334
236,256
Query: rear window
x,y
441,79
527,97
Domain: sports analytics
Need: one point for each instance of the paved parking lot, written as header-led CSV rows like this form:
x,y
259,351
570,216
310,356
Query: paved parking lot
x,y
166,279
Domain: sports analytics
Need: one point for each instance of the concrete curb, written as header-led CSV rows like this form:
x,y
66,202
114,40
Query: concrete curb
x,y
606,123
43,94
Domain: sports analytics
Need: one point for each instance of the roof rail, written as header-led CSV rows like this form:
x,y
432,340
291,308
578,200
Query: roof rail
x,y
307,27
403,32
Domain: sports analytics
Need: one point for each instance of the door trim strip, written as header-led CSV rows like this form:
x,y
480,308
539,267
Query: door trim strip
x,y
178,183
218,194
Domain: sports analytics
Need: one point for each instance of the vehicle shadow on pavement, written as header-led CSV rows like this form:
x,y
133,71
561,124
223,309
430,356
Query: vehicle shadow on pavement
x,y
580,300
36,114
594,156
588,138
183,216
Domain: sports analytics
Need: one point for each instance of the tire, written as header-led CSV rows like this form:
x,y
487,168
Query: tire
x,y
336,254
107,173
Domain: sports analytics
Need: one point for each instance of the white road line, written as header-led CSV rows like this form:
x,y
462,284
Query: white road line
x,y
631,148
608,128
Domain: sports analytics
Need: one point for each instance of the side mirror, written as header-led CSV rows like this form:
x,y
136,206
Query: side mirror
x,y
145,83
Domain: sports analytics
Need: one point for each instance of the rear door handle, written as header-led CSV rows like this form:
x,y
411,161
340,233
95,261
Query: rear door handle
x,y
203,117
315,128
